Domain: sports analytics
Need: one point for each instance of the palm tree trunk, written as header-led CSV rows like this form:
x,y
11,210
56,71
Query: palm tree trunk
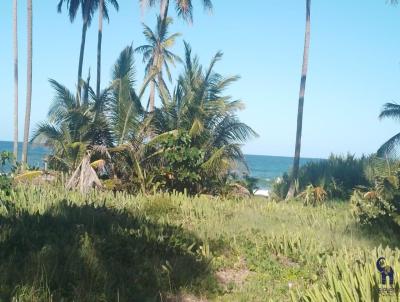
x,y
29,85
164,4
296,163
152,96
15,29
99,39
81,55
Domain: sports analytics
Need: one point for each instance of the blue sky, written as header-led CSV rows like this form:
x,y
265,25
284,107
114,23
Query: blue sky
x,y
354,65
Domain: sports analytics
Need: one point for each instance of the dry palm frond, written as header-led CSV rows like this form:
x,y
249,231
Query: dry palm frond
x,y
371,195
98,164
28,175
84,177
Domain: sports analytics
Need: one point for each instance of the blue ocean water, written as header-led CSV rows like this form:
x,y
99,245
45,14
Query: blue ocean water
x,y
267,168
263,167
36,153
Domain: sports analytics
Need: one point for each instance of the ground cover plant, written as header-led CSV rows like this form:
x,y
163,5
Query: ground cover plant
x,y
57,244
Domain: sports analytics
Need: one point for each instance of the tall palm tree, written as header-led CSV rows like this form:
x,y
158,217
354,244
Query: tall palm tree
x,y
390,110
88,8
15,29
99,39
296,161
158,56
103,13
184,8
29,85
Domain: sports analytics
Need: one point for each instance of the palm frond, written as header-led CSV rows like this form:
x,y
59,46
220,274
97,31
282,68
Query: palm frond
x,y
390,146
390,110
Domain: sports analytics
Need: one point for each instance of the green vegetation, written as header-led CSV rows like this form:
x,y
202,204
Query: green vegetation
x,y
103,246
337,175
172,217
192,142
379,204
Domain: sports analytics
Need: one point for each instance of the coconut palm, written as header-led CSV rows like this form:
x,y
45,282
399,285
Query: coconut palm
x,y
197,115
88,8
103,13
15,33
108,120
29,85
124,109
158,57
67,130
296,162
392,111
184,8
199,108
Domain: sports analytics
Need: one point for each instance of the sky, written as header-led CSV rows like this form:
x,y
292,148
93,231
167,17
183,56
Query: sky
x,y
354,65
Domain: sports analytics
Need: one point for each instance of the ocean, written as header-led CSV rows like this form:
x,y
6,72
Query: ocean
x,y
263,167
267,168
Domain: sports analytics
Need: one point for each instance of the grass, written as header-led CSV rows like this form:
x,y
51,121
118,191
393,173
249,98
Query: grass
x,y
58,245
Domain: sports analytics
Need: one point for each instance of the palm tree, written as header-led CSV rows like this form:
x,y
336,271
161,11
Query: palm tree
x,y
296,162
158,56
199,108
70,127
124,110
109,120
197,113
88,7
184,8
103,13
99,39
390,110
15,29
29,85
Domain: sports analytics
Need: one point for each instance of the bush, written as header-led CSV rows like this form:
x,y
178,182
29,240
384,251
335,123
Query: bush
x,y
338,176
380,204
313,195
281,186
182,166
5,185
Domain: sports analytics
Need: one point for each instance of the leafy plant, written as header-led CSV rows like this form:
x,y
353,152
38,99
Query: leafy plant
x,y
5,158
313,195
182,163
5,185
379,204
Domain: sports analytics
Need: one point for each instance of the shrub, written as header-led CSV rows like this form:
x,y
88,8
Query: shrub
x,y
5,185
313,195
379,204
182,166
281,186
338,175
